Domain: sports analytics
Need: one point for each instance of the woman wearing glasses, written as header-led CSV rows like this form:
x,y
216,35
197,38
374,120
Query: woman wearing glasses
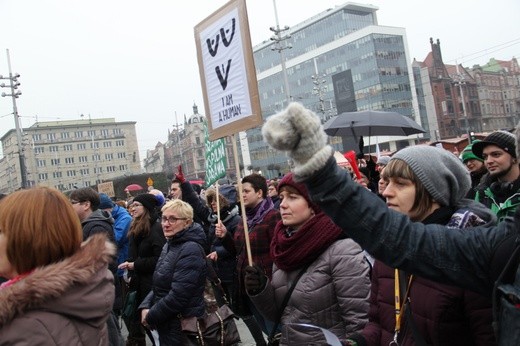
x,y
146,241
179,277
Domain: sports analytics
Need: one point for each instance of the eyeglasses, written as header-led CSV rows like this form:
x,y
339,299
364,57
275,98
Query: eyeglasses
x,y
75,202
135,205
171,219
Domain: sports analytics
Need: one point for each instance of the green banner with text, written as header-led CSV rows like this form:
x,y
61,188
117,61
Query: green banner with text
x,y
215,158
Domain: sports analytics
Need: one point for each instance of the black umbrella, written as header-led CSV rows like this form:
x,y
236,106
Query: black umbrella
x,y
371,123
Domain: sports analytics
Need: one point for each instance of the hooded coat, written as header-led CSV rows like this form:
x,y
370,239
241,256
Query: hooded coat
x,y
64,303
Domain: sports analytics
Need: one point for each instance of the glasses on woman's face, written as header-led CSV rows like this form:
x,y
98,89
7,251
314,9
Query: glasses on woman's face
x,y
135,205
171,219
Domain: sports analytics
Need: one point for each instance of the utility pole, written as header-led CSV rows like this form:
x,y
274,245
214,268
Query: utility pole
x,y
278,38
13,85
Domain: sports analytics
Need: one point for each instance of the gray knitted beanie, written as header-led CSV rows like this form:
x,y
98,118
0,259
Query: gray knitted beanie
x,y
441,172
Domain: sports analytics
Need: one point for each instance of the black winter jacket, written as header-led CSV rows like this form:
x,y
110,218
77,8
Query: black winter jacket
x,y
469,259
144,251
178,284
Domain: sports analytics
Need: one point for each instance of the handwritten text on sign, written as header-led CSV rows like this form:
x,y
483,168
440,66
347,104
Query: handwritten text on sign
x,y
225,71
215,158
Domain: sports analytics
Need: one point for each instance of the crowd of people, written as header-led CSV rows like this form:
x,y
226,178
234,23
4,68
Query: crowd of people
x,y
421,250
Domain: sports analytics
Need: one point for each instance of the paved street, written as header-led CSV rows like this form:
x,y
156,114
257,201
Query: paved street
x,y
245,336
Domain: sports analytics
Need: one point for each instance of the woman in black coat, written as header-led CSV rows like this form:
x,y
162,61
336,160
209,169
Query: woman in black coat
x,y
179,277
146,242
223,261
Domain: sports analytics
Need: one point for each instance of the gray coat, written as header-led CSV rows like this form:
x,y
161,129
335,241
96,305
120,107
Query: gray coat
x,y
332,294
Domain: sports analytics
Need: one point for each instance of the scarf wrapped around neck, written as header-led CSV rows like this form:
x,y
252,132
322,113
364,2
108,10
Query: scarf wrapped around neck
x,y
305,245
256,215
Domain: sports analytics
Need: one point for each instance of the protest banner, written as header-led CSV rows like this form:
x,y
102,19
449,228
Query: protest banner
x,y
227,71
216,161
228,78
107,188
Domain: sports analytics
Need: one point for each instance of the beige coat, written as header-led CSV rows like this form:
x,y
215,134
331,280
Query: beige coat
x,y
65,303
333,294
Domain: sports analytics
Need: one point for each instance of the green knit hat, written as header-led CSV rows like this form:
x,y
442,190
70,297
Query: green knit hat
x,y
467,153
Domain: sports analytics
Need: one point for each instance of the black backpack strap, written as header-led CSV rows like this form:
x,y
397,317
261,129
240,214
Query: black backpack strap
x,y
285,301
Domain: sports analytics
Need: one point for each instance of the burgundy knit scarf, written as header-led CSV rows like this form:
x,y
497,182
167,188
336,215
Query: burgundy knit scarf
x,y
305,245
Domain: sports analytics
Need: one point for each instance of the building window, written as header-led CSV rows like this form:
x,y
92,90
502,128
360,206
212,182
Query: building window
x,y
56,175
69,160
78,134
71,173
120,143
41,163
94,145
67,147
38,150
98,169
104,132
121,155
53,148
84,171
55,162
111,168
91,133
42,176
117,131
123,167
82,146
107,144
83,159
109,156
65,135
51,136
96,157
37,137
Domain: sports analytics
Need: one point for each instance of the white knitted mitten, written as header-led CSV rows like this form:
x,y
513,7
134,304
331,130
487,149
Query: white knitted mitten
x,y
298,131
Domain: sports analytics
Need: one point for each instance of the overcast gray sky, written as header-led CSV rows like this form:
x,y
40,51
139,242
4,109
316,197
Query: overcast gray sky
x,y
136,60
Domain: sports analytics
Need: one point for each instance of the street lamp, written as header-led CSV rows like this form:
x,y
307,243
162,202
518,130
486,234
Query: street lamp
x,y
278,38
319,89
13,85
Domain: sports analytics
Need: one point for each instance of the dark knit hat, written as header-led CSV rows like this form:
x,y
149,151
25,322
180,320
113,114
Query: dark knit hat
x,y
467,153
147,200
288,180
502,139
105,201
441,172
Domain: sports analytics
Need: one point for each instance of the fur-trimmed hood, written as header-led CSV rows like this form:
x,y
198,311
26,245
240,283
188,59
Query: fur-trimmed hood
x,y
79,287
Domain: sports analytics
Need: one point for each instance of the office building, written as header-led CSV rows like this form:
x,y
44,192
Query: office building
x,y
346,38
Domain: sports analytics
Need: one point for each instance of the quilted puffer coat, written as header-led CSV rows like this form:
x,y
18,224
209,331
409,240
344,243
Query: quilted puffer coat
x,y
332,294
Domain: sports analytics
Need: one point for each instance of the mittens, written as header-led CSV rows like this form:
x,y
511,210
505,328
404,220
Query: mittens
x,y
298,131
180,175
254,279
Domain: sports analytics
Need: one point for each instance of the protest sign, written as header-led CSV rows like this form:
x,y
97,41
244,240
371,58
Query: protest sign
x,y
227,71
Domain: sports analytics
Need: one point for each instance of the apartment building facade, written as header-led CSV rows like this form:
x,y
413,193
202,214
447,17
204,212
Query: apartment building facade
x,y
70,154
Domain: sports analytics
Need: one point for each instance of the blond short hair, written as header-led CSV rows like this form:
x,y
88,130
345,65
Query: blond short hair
x,y
182,208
